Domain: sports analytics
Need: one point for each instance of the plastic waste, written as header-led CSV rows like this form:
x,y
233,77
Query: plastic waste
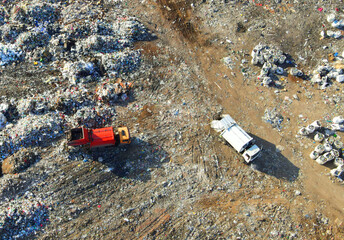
x,y
314,155
319,137
321,159
334,34
319,148
337,172
331,17
303,131
335,153
3,121
327,147
338,144
338,120
9,53
338,161
337,127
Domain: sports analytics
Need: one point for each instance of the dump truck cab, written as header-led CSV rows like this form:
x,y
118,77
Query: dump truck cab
x,y
124,135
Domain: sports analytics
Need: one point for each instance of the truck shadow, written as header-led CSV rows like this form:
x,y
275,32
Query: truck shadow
x,y
135,161
272,162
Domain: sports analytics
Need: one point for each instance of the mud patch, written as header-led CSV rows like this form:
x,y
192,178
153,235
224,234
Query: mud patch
x,y
179,13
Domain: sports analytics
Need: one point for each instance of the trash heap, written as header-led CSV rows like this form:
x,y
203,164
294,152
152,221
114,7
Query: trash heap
x,y
273,62
329,148
88,51
95,117
19,161
10,32
273,117
121,62
105,44
324,74
110,92
2,15
3,121
79,71
29,131
9,53
23,217
337,24
31,40
41,12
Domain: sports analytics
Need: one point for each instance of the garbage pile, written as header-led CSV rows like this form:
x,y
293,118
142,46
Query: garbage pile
x,y
121,62
273,62
31,40
335,22
19,161
79,71
41,12
338,123
23,217
29,131
9,53
85,48
9,111
110,92
2,15
329,148
95,117
273,117
3,121
104,44
325,73
10,32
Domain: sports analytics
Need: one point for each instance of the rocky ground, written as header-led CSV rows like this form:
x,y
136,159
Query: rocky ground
x,y
187,62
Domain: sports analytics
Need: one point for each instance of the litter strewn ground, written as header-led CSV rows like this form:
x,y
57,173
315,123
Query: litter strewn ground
x,y
166,69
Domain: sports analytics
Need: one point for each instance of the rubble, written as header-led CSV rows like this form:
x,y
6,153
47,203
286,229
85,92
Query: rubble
x,y
273,117
273,62
3,121
80,71
23,217
9,53
30,131
3,15
29,41
19,161
323,75
121,62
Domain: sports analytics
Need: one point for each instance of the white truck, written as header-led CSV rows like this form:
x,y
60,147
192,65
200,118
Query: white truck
x,y
236,137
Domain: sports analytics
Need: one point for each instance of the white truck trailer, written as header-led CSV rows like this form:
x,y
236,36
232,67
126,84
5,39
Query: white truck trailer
x,y
236,137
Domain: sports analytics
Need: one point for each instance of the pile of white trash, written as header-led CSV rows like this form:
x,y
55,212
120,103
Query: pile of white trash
x,y
330,146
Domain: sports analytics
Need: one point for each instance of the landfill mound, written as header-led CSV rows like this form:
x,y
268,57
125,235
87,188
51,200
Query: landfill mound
x,y
166,69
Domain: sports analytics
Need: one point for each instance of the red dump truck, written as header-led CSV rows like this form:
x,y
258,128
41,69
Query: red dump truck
x,y
101,137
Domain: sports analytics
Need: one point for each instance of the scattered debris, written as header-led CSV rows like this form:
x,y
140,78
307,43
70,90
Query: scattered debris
x,y
273,117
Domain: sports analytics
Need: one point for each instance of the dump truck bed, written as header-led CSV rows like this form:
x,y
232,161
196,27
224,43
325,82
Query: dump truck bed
x,y
234,134
102,137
